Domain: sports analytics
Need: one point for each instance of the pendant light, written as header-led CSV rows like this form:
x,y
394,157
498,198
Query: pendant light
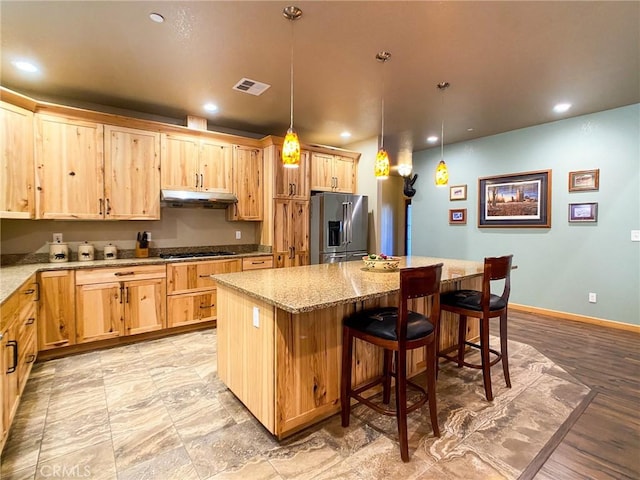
x,y
291,145
442,172
382,167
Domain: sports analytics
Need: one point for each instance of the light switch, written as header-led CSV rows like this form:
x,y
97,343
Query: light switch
x,y
635,235
238,234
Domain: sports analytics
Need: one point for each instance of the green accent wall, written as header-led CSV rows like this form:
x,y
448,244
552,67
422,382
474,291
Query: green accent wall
x,y
557,266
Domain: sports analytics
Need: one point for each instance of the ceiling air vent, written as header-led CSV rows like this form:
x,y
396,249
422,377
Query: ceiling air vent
x,y
253,87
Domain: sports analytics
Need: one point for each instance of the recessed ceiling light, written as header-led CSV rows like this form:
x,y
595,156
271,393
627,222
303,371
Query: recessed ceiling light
x,y
210,107
470,129
432,139
561,107
345,134
156,17
25,66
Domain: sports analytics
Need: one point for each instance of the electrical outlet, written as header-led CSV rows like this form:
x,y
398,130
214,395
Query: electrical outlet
x,y
635,235
256,317
238,234
593,298
57,238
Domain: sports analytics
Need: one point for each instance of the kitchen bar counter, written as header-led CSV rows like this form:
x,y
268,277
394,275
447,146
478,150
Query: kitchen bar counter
x,y
280,334
12,277
312,287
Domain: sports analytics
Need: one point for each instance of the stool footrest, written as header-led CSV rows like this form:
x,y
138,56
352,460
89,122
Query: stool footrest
x,y
451,358
387,411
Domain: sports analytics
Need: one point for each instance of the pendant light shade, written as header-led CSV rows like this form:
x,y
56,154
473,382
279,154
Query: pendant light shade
x,y
291,149
442,172
382,165
291,145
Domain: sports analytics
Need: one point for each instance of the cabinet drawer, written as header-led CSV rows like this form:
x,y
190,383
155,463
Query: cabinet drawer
x,y
105,275
255,263
27,323
187,277
191,308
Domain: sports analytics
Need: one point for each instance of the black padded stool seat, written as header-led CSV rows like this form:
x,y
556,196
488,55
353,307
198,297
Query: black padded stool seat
x,y
382,322
396,330
482,305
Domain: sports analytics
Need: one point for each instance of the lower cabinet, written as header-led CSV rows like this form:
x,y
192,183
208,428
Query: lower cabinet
x,y
111,302
56,315
17,350
191,292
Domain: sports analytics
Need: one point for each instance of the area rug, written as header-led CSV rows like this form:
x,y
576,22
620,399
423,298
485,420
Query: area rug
x,y
479,439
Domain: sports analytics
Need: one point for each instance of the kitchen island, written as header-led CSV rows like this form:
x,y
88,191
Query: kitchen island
x,y
280,333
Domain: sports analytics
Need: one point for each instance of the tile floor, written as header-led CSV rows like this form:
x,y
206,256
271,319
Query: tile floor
x,y
157,411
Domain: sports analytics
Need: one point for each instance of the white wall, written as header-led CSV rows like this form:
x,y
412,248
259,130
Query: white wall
x,y
557,266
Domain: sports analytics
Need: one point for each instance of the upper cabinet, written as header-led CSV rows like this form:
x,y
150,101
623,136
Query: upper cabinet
x,y
247,184
16,164
132,174
333,173
290,182
70,162
86,170
196,163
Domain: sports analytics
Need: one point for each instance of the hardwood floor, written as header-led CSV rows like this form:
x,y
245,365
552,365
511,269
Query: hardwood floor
x,y
604,442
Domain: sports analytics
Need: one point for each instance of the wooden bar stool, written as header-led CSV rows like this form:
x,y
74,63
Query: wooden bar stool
x,y
482,305
397,330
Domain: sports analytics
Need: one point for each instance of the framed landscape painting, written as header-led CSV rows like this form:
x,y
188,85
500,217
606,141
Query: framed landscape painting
x,y
584,180
515,200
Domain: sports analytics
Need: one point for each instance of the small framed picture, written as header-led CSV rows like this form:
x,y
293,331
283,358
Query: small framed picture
x,y
584,180
583,212
458,216
458,192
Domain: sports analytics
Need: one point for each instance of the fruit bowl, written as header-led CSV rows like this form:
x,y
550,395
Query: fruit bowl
x,y
381,262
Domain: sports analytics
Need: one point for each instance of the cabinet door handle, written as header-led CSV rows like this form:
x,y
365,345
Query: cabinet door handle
x,y
124,274
126,300
295,189
30,291
100,208
121,293
108,211
31,358
30,321
196,180
13,344
257,263
204,276
207,306
201,181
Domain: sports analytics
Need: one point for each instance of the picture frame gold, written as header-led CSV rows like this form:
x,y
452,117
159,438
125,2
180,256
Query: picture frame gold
x,y
584,180
458,192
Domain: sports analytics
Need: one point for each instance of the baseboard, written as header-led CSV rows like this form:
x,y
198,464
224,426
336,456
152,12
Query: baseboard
x,y
575,317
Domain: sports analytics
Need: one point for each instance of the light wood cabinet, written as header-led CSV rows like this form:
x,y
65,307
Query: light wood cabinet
x,y
332,173
17,350
56,315
191,292
17,174
87,170
69,161
291,233
196,164
112,302
247,184
291,182
132,174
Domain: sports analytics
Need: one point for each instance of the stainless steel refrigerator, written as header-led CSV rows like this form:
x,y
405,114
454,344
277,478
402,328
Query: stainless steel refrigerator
x,y
339,227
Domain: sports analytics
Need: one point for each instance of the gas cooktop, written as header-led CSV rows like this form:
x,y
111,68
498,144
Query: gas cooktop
x,y
195,254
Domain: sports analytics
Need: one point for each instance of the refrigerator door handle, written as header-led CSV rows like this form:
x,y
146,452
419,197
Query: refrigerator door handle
x,y
350,226
345,223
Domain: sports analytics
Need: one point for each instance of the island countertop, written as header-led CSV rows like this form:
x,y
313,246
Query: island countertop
x,y
303,289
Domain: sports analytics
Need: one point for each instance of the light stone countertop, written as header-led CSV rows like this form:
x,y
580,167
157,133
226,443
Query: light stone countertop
x,y
312,287
13,277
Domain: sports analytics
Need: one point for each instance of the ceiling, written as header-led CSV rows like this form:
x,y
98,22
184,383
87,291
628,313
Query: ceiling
x,y
508,63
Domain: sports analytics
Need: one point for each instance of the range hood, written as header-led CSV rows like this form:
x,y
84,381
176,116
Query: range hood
x,y
186,198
